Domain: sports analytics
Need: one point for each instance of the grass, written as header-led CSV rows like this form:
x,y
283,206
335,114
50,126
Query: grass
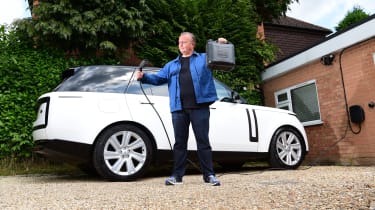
x,y
13,166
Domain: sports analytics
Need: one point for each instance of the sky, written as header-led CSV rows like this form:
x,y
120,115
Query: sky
x,y
13,9
324,13
327,13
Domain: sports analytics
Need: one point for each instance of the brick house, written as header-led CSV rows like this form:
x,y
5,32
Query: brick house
x,y
328,85
291,35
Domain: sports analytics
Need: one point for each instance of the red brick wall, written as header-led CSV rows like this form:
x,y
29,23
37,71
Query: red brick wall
x,y
359,77
290,41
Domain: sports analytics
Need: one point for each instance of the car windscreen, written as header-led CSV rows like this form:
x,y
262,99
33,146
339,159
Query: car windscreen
x,y
108,79
222,90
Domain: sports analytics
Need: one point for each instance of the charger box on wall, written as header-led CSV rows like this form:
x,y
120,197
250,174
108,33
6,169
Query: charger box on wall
x,y
357,114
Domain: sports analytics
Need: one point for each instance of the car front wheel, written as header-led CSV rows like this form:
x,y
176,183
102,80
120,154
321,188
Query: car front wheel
x,y
122,153
287,149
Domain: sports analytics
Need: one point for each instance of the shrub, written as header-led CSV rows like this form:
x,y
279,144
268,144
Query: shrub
x,y
26,72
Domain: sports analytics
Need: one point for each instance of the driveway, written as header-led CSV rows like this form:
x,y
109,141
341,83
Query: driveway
x,y
319,187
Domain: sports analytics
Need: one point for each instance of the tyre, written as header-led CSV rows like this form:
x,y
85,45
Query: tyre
x,y
122,153
287,149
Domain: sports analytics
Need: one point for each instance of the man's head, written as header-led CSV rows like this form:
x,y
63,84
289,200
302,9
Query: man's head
x,y
186,44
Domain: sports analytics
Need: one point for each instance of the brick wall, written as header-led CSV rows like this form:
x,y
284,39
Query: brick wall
x,y
289,40
359,78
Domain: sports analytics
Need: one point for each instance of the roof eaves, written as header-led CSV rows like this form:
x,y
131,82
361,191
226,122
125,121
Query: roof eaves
x,y
289,22
326,31
334,43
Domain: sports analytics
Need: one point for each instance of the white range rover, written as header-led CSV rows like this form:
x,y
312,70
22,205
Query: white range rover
x,y
100,117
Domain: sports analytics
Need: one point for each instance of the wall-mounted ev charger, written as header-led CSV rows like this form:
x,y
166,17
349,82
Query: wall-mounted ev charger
x,y
357,114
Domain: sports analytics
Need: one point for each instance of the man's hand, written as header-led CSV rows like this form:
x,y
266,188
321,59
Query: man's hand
x,y
222,40
138,75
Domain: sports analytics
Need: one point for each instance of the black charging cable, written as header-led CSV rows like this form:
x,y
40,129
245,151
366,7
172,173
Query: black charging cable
x,y
141,65
346,100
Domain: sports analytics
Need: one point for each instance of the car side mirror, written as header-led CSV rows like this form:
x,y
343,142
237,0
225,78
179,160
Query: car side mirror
x,y
227,99
235,96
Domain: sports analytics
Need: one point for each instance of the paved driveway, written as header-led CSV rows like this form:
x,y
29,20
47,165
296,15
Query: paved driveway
x,y
323,187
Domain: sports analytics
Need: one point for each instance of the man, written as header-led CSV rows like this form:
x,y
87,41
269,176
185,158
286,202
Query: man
x,y
191,91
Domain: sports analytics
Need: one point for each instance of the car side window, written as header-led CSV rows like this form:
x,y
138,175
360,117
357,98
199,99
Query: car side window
x,y
107,79
154,90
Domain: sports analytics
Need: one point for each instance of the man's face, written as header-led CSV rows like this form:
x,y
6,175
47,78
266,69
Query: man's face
x,y
186,45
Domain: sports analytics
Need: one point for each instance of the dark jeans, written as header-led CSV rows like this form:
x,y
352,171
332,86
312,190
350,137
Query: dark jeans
x,y
199,119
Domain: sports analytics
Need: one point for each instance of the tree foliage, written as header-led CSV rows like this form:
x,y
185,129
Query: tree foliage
x,y
87,25
269,10
25,73
353,16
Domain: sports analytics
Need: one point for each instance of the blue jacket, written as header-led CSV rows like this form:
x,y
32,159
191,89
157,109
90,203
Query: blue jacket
x,y
204,86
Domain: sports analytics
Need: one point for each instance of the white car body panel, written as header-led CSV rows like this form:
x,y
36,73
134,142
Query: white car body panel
x,y
144,114
85,113
229,128
267,118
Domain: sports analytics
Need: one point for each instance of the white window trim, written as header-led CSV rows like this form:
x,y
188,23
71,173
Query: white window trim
x,y
311,123
289,100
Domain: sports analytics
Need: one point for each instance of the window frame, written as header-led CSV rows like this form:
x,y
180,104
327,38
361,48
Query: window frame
x,y
288,102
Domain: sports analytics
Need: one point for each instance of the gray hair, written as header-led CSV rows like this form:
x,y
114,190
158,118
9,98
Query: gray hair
x,y
191,35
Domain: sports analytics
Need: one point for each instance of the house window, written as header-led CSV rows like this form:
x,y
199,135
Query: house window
x,y
302,99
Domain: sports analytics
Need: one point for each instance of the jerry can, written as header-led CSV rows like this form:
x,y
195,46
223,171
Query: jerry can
x,y
220,56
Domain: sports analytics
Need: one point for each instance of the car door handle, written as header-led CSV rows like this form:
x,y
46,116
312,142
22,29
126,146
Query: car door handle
x,y
147,103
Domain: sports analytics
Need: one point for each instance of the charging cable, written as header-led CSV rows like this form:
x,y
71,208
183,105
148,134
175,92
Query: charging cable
x,y
141,65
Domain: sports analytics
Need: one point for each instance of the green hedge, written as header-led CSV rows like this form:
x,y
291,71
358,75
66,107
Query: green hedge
x,y
25,74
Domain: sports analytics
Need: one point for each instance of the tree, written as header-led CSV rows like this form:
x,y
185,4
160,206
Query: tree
x,y
269,10
353,16
86,25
